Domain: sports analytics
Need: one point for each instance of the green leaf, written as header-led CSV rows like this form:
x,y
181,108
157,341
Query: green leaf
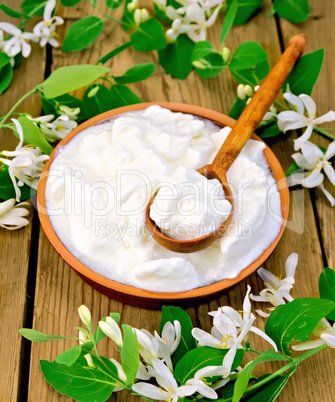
x,y
7,190
268,392
101,102
70,3
305,73
296,321
201,357
237,108
80,382
113,53
245,9
130,357
187,342
327,288
229,20
201,49
106,362
4,60
247,55
124,96
70,78
151,36
136,73
112,4
82,33
11,12
33,7
292,169
70,356
32,135
100,335
292,10
268,130
245,375
253,75
216,64
37,336
6,75
176,58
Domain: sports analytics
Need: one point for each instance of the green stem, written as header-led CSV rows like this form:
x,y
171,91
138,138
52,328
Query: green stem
x,y
4,118
324,133
242,78
252,350
285,368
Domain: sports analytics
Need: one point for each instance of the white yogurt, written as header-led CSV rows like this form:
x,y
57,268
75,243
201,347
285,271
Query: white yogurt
x,y
188,206
100,183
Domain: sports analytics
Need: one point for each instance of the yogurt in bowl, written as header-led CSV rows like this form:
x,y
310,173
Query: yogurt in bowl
x,y
100,178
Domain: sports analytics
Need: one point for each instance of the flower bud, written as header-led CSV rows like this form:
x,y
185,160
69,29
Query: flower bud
x,y
85,315
112,330
240,92
225,54
201,64
170,35
132,6
144,14
248,91
93,91
256,88
137,16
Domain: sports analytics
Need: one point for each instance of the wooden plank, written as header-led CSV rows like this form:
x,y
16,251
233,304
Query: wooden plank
x,y
59,291
15,245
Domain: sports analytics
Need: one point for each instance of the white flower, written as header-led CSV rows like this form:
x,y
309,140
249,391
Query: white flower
x,y
140,15
71,113
303,116
165,346
228,332
83,339
11,215
58,129
169,390
18,42
85,315
325,333
112,330
313,161
193,21
26,165
277,290
46,29
146,347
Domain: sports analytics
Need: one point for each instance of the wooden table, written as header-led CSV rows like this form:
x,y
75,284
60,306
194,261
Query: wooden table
x,y
38,289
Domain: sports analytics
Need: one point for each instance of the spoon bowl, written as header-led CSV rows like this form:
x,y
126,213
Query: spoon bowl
x,y
249,120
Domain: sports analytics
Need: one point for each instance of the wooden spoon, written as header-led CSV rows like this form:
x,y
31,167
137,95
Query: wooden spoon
x,y
240,134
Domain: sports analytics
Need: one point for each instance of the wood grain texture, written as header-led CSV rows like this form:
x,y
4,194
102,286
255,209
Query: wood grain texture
x,y
59,291
15,245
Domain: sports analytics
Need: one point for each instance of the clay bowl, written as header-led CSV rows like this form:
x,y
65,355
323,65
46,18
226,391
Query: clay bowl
x,y
140,297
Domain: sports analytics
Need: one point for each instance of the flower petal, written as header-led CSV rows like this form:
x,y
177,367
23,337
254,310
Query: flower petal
x,y
330,116
329,170
329,339
304,137
291,264
330,151
268,277
163,375
314,179
295,101
48,9
290,120
150,391
331,199
264,336
308,345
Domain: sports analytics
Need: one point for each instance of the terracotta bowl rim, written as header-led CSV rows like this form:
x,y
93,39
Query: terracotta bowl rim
x,y
132,291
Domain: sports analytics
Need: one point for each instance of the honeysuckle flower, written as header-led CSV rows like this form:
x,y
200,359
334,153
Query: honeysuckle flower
x,y
71,113
314,161
18,42
46,29
169,390
112,330
277,290
325,334
166,345
228,332
146,347
11,215
85,315
26,165
42,119
58,129
193,20
83,339
303,116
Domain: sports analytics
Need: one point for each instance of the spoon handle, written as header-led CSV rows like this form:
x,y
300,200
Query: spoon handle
x,y
259,104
